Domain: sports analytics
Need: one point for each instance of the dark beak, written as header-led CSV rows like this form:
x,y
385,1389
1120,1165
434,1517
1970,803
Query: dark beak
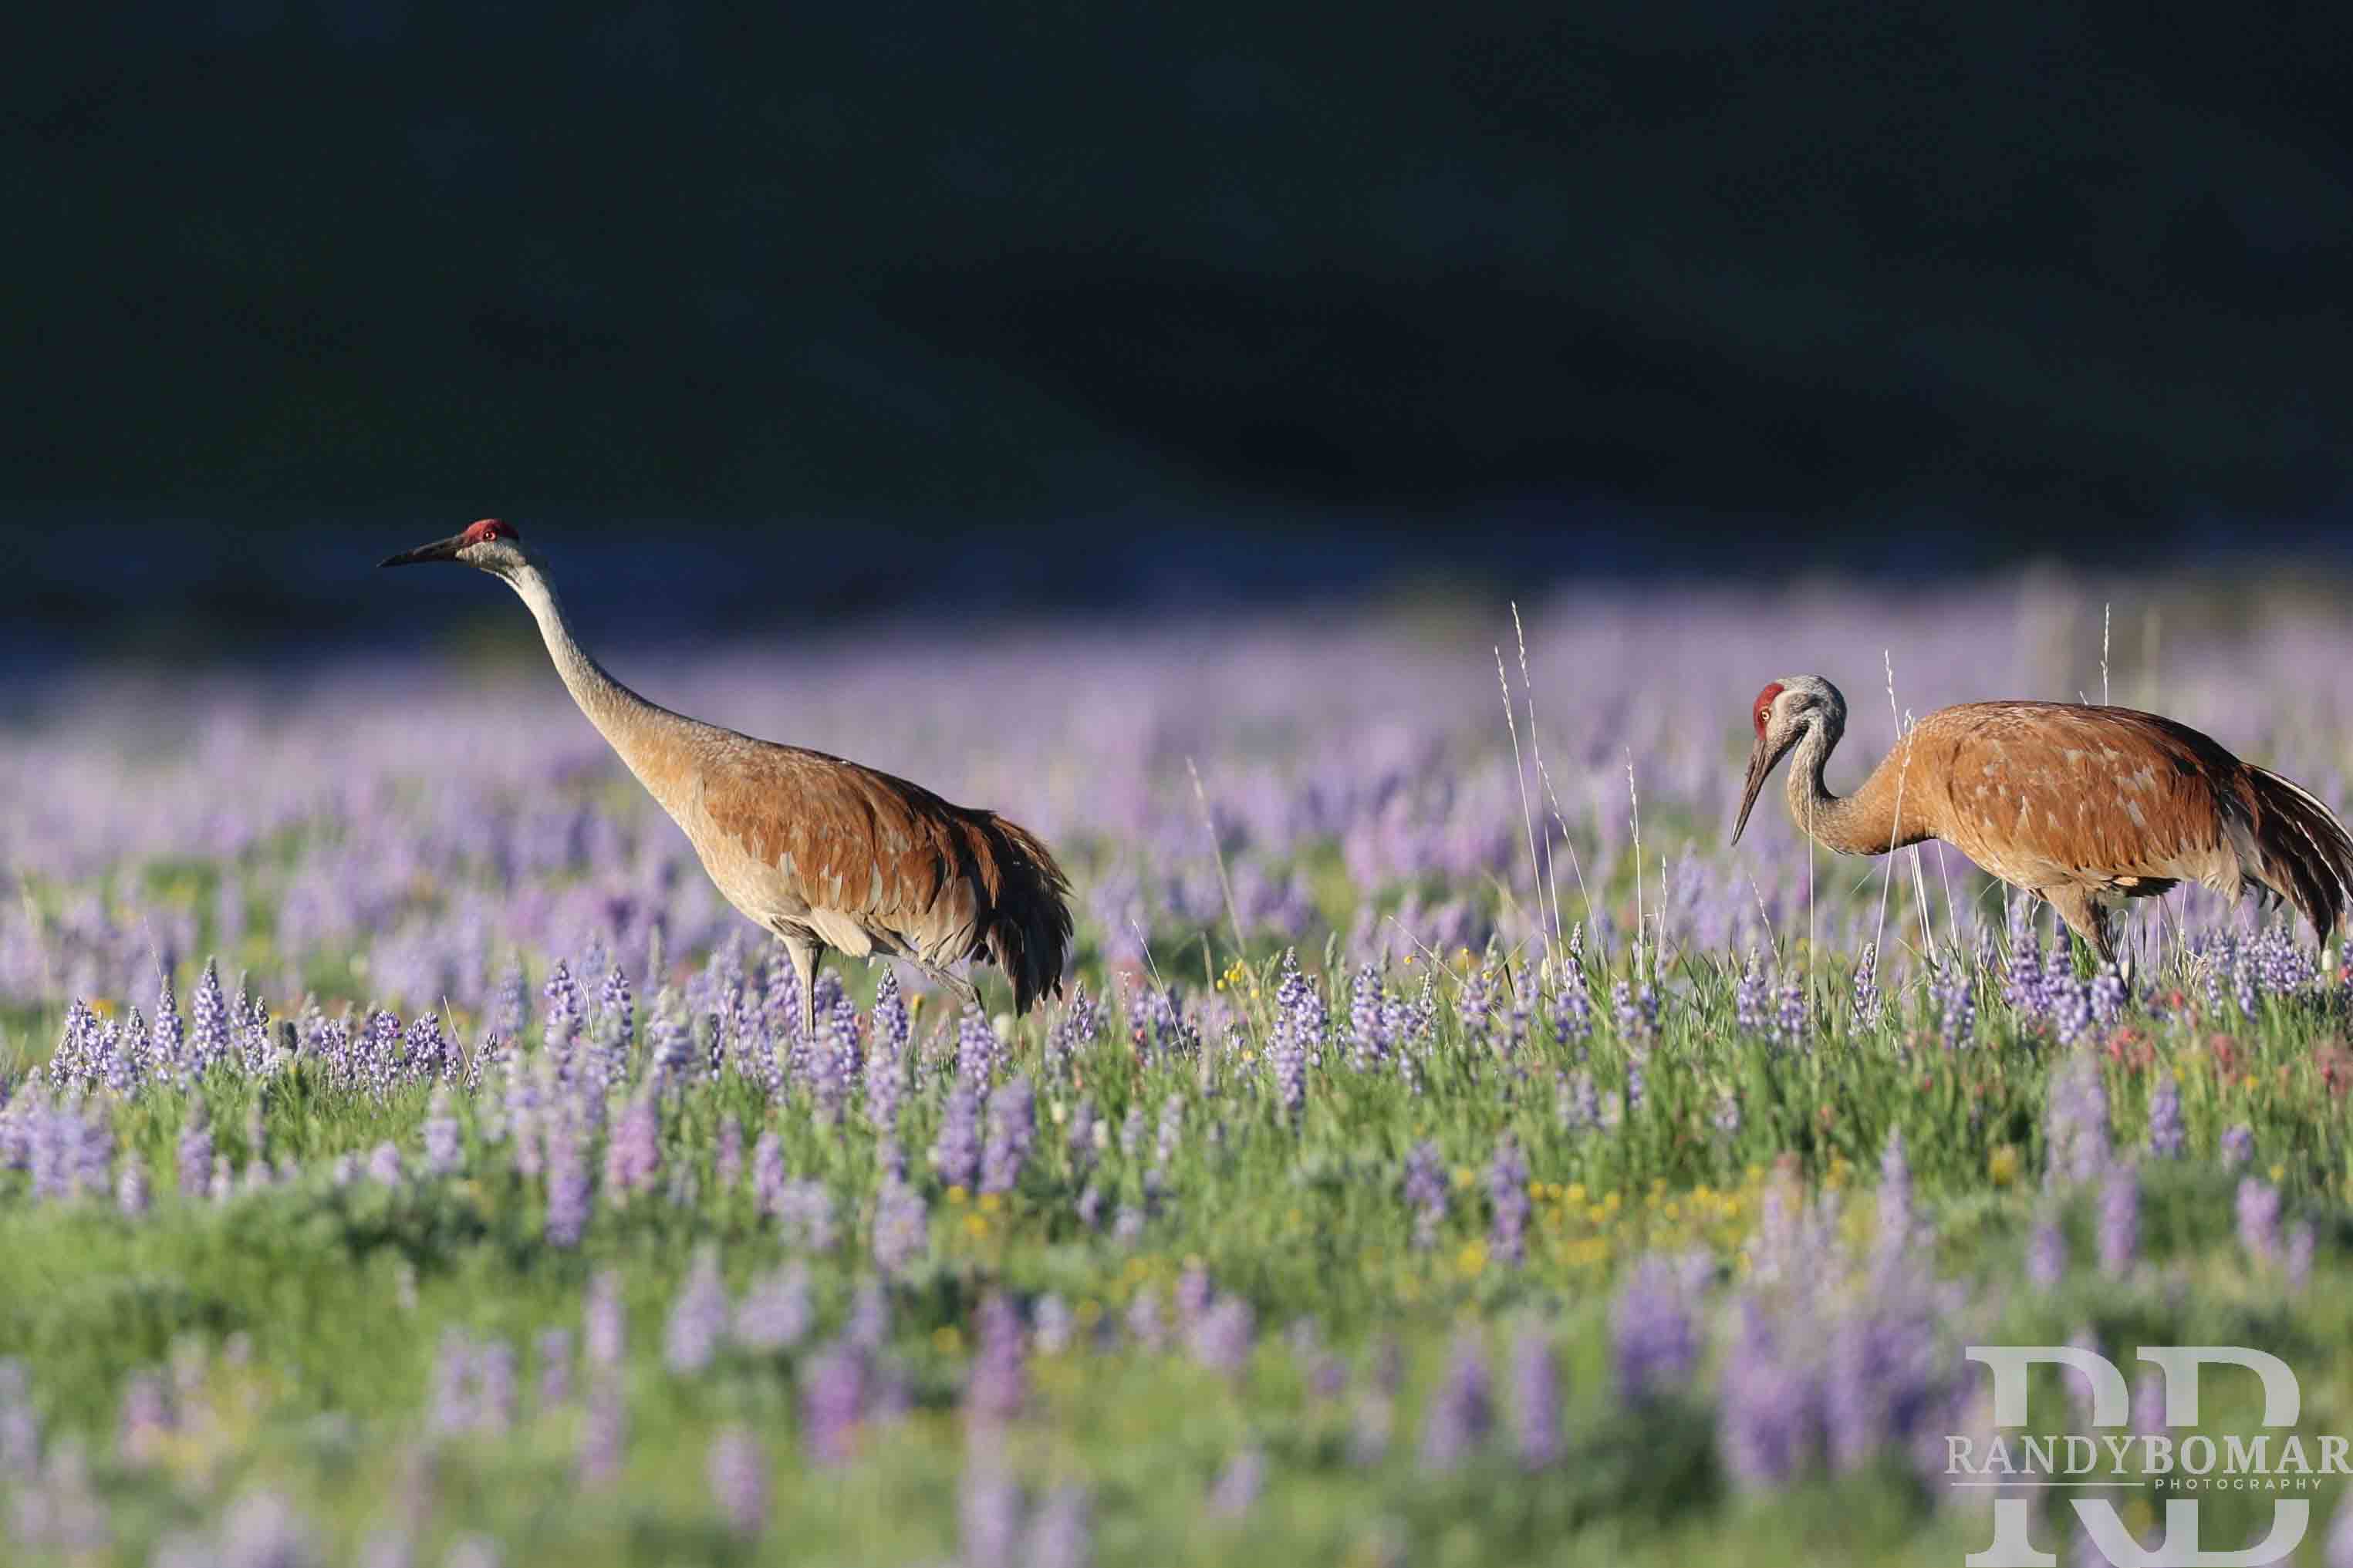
x,y
440,550
1761,763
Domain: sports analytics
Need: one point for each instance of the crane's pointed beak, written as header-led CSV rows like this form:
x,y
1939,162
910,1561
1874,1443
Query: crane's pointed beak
x,y
440,550
1761,762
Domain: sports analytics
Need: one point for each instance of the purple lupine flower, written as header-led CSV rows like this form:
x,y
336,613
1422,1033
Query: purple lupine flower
x,y
727,1162
976,1049
633,1153
1236,1490
1654,1343
1957,1007
2300,1245
1866,987
605,1320
167,1043
768,1172
568,1184
195,1150
1131,1131
2108,995
208,1040
886,1061
444,1149
1053,1325
2258,1216
988,1513
261,1530
452,1407
425,1055
565,1012
1507,1194
494,1386
1073,1032
1195,1292
1536,1404
1012,1126
1894,1194
956,1154
1572,1010
1369,1037
510,1005
1792,1017
2075,1121
383,1164
2238,1146
618,1006
1770,1408
670,1038
554,1368
738,1472
2046,1255
1425,1192
775,1312
1172,1130
1886,1379
2023,975
2337,1553
1461,1411
605,1434
1221,1336
903,1227
698,1318
833,1401
2068,998
1060,1534
998,1385
131,1196
1286,1054
1749,997
146,1422
1086,1133
2166,1137
805,1209
1143,1322
2119,1231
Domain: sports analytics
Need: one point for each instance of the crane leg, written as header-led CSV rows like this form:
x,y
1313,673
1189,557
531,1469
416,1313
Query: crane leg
x,y
966,991
2086,917
807,952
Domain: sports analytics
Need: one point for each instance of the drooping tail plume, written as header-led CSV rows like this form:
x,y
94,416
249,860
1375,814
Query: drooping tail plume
x,y
2307,853
1027,931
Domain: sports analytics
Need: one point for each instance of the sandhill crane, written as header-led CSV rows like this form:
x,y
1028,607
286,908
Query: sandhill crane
x,y
2085,806
823,852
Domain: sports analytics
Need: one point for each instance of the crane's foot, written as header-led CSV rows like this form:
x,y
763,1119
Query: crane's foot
x,y
965,991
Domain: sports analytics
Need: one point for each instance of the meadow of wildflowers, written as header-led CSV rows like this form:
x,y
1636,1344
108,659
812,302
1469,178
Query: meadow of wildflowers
x,y
1446,1152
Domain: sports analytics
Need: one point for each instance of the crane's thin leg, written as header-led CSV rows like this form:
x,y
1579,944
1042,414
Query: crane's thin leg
x,y
2086,917
966,991
806,953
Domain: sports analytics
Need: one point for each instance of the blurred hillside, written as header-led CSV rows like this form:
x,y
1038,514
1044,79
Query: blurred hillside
x,y
867,286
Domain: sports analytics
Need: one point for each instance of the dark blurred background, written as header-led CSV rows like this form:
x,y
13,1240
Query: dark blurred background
x,y
870,307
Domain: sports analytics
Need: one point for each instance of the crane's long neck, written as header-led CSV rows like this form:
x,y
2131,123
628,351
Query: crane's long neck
x,y
642,733
1864,823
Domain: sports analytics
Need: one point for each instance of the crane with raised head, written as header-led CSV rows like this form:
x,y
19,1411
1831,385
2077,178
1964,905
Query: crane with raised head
x,y
824,853
2082,807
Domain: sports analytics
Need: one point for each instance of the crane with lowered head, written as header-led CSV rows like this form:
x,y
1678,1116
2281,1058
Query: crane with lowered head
x,y
2084,806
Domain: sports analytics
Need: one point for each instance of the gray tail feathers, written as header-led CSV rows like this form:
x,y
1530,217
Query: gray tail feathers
x,y
2307,853
1028,929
